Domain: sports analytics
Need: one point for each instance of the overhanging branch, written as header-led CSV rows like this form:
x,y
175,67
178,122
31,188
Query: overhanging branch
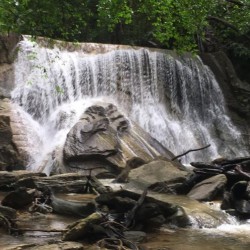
x,y
227,24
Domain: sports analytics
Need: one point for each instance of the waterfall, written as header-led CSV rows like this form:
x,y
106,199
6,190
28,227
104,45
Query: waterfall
x,y
175,98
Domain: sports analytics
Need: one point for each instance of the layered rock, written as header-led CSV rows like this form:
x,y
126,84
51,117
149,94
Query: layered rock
x,y
15,146
235,91
104,138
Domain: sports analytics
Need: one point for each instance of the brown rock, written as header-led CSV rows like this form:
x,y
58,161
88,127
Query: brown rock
x,y
208,189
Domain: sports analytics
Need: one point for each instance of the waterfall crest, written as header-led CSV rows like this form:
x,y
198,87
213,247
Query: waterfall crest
x,y
176,99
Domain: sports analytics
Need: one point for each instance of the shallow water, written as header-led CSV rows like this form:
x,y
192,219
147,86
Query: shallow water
x,y
224,237
194,239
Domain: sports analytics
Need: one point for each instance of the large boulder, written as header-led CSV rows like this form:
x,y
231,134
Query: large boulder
x,y
9,155
157,171
208,189
15,147
104,138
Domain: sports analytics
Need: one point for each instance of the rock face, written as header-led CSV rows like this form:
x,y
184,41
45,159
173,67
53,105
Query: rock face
x,y
7,46
104,138
15,147
9,155
235,91
208,189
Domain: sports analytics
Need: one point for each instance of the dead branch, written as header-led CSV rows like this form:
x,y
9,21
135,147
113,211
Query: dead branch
x,y
190,150
243,173
131,213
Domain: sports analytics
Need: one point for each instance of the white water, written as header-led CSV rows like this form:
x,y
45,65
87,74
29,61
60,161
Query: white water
x,y
178,101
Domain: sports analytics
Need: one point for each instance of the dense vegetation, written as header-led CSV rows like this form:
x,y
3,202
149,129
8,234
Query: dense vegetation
x,y
189,25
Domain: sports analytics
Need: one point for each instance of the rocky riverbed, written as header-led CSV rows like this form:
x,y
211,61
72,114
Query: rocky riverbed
x,y
79,211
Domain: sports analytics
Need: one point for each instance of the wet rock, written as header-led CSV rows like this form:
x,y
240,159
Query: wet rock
x,y
63,183
242,207
158,171
239,190
88,138
19,198
79,229
9,155
208,189
152,212
8,179
71,183
103,138
15,148
227,201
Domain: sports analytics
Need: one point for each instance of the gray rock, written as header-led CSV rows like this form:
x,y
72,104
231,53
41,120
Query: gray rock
x,y
15,148
239,190
157,171
104,138
65,207
208,189
8,179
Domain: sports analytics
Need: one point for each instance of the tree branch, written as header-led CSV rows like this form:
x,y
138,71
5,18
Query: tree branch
x,y
190,150
229,25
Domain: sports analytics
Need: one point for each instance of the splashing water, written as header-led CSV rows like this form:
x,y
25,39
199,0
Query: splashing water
x,y
176,99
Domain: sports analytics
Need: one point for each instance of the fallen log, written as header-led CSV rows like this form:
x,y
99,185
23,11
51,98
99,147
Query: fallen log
x,y
190,150
61,206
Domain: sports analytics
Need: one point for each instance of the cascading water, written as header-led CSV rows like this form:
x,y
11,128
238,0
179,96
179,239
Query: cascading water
x,y
176,99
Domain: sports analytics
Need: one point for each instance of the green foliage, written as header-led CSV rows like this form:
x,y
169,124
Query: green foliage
x,y
182,25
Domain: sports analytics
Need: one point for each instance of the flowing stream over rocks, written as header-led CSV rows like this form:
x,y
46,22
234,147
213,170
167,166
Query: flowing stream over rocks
x,y
174,98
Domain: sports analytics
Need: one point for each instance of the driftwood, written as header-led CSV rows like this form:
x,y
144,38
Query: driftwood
x,y
190,150
234,167
209,171
203,165
61,206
